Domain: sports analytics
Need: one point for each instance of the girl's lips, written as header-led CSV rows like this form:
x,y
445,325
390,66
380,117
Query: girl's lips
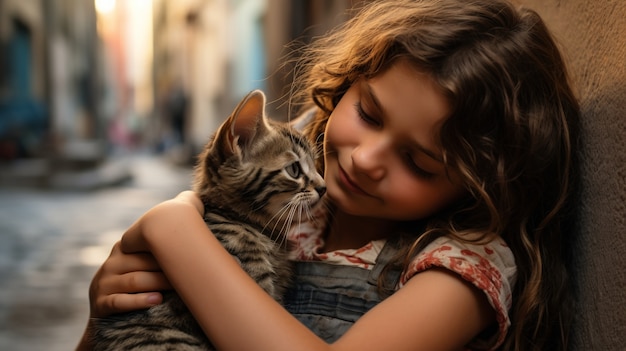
x,y
349,184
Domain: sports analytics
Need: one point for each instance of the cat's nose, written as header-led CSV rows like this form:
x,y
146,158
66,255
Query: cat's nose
x,y
321,190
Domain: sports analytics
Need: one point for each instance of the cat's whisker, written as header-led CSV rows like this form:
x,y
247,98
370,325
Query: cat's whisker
x,y
287,224
273,229
283,231
289,220
297,208
276,219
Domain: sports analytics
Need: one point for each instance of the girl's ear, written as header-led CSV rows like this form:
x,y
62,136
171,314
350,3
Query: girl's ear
x,y
245,123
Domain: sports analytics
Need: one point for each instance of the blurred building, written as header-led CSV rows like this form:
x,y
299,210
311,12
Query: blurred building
x,y
80,79
23,87
191,56
49,86
209,53
49,60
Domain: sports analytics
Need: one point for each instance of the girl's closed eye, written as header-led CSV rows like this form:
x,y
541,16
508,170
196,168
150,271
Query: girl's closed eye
x,y
367,118
406,156
419,171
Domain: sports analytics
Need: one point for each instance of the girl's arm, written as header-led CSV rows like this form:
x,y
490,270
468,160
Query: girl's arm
x,y
435,310
128,282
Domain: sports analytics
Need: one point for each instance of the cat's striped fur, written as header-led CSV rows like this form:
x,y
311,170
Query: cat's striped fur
x,y
255,177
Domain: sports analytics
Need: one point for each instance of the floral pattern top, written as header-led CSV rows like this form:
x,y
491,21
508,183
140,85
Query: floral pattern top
x,y
490,267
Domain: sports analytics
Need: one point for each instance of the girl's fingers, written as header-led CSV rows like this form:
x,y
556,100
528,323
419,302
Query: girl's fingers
x,y
132,240
121,263
134,282
111,294
126,282
119,303
131,278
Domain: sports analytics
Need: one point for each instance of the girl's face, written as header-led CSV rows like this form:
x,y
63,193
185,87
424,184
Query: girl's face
x,y
381,149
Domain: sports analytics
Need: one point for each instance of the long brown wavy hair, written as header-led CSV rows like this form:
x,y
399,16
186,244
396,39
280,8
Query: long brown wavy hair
x,y
511,135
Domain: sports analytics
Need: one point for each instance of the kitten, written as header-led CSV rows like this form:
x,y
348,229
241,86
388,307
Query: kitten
x,y
255,177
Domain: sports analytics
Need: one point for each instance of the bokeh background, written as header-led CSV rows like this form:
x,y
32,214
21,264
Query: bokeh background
x,y
104,103
88,79
103,106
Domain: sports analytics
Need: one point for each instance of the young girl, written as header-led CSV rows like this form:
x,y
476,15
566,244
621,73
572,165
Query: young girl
x,y
447,128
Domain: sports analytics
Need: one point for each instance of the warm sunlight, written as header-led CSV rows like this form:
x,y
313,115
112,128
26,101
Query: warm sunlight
x,y
105,6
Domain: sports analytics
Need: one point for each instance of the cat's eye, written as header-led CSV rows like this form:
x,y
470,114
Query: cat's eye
x,y
294,170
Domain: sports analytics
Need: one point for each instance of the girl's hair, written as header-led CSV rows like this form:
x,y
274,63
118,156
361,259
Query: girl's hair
x,y
511,134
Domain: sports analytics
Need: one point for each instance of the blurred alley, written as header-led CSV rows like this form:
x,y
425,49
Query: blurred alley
x,y
52,242
103,105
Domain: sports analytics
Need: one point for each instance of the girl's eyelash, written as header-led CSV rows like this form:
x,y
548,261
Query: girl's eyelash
x,y
417,169
363,115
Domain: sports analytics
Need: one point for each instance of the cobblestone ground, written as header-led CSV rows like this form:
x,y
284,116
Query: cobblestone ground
x,y
51,243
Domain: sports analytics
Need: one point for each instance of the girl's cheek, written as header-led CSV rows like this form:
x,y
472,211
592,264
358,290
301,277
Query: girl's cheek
x,y
334,131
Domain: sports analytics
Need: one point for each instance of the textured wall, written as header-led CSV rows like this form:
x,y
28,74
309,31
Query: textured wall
x,y
593,37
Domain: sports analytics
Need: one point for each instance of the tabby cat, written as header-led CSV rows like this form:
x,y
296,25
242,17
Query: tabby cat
x,y
255,177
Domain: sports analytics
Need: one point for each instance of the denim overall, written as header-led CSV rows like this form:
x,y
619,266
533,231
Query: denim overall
x,y
329,298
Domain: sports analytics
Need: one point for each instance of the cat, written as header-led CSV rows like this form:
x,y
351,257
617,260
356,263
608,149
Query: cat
x,y
256,178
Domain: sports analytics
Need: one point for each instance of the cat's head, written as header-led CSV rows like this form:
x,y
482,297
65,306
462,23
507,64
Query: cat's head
x,y
259,167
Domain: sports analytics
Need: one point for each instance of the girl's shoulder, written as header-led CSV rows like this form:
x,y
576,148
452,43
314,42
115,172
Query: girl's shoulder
x,y
488,266
493,259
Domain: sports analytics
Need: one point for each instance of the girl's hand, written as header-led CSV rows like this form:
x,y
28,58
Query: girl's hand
x,y
126,282
130,280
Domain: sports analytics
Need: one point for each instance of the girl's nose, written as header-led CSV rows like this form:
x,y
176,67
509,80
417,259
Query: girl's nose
x,y
369,159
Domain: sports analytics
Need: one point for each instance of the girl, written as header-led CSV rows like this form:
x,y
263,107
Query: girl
x,y
447,128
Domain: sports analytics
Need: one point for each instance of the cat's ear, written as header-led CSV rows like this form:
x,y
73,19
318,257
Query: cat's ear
x,y
246,122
